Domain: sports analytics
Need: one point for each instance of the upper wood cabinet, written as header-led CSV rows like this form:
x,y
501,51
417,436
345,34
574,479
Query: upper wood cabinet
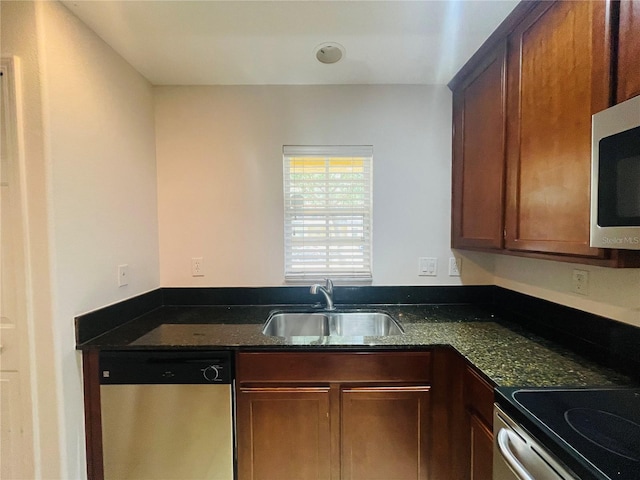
x,y
522,109
628,68
479,155
558,76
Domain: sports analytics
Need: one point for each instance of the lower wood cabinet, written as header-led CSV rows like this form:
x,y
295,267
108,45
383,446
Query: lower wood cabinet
x,y
383,432
401,415
478,401
481,449
284,433
333,415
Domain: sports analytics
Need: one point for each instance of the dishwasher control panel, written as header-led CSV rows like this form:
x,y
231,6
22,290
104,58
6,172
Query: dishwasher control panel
x,y
154,367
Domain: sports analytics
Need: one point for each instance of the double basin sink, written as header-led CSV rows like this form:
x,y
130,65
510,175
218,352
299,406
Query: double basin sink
x,y
344,323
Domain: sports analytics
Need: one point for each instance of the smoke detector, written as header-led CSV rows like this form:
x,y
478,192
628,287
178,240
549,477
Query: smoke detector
x,y
329,52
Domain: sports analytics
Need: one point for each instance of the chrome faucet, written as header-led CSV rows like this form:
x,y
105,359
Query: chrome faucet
x,y
327,291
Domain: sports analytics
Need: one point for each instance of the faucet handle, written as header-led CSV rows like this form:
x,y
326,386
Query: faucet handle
x,y
329,285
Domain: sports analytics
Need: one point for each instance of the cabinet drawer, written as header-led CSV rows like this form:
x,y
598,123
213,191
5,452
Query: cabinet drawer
x,y
478,395
346,367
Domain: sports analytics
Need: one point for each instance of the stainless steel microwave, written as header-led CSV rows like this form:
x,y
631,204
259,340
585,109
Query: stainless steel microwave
x,y
615,177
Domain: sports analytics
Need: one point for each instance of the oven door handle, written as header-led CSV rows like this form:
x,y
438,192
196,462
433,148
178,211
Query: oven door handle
x,y
504,438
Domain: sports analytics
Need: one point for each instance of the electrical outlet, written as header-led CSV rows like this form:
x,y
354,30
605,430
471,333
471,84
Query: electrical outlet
x,y
580,284
197,267
123,275
455,266
427,266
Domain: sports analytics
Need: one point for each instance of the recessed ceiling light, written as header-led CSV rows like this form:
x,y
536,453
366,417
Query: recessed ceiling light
x,y
330,52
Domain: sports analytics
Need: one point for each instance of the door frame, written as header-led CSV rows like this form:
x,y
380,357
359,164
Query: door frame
x,y
19,369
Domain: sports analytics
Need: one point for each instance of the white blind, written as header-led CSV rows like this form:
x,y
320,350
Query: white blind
x,y
327,209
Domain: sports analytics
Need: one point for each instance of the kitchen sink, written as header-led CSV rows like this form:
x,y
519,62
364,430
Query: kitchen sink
x,y
345,323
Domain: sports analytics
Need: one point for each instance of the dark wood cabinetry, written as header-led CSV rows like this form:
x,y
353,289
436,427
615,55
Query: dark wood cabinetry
x,y
628,66
463,419
333,415
383,432
481,450
478,401
284,433
479,155
559,58
413,415
558,76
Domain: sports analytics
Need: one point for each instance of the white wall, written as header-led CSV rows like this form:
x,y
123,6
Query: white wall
x,y
96,168
220,189
612,293
219,153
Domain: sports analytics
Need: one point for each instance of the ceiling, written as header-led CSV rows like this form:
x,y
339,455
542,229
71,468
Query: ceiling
x,y
238,42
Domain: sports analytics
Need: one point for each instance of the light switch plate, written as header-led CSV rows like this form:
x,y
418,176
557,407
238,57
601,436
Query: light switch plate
x,y
427,266
123,275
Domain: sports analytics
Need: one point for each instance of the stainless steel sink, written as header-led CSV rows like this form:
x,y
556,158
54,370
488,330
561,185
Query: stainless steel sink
x,y
354,323
289,324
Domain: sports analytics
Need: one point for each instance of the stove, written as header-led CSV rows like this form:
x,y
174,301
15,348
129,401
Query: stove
x,y
595,432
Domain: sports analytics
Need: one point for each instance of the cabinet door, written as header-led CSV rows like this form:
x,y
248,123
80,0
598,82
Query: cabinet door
x,y
558,76
283,433
481,450
479,156
478,400
629,50
384,433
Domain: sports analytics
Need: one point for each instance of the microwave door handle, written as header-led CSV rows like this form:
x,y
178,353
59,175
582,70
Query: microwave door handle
x,y
504,437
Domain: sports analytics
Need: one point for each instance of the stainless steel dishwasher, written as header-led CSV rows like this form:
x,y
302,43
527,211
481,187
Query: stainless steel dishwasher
x,y
167,415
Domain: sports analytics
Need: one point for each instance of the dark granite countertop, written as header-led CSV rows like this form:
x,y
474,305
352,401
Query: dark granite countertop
x,y
506,353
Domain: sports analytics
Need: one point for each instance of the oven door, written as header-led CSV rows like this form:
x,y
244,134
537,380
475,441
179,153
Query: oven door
x,y
517,456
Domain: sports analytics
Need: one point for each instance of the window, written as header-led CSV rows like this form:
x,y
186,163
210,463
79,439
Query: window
x,y
327,212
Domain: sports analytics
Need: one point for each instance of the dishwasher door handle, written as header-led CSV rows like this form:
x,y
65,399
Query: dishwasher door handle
x,y
504,438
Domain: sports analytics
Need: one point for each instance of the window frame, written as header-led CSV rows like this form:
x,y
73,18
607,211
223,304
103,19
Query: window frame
x,y
344,238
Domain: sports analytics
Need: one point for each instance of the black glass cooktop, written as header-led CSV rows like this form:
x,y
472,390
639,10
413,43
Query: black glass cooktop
x,y
599,427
